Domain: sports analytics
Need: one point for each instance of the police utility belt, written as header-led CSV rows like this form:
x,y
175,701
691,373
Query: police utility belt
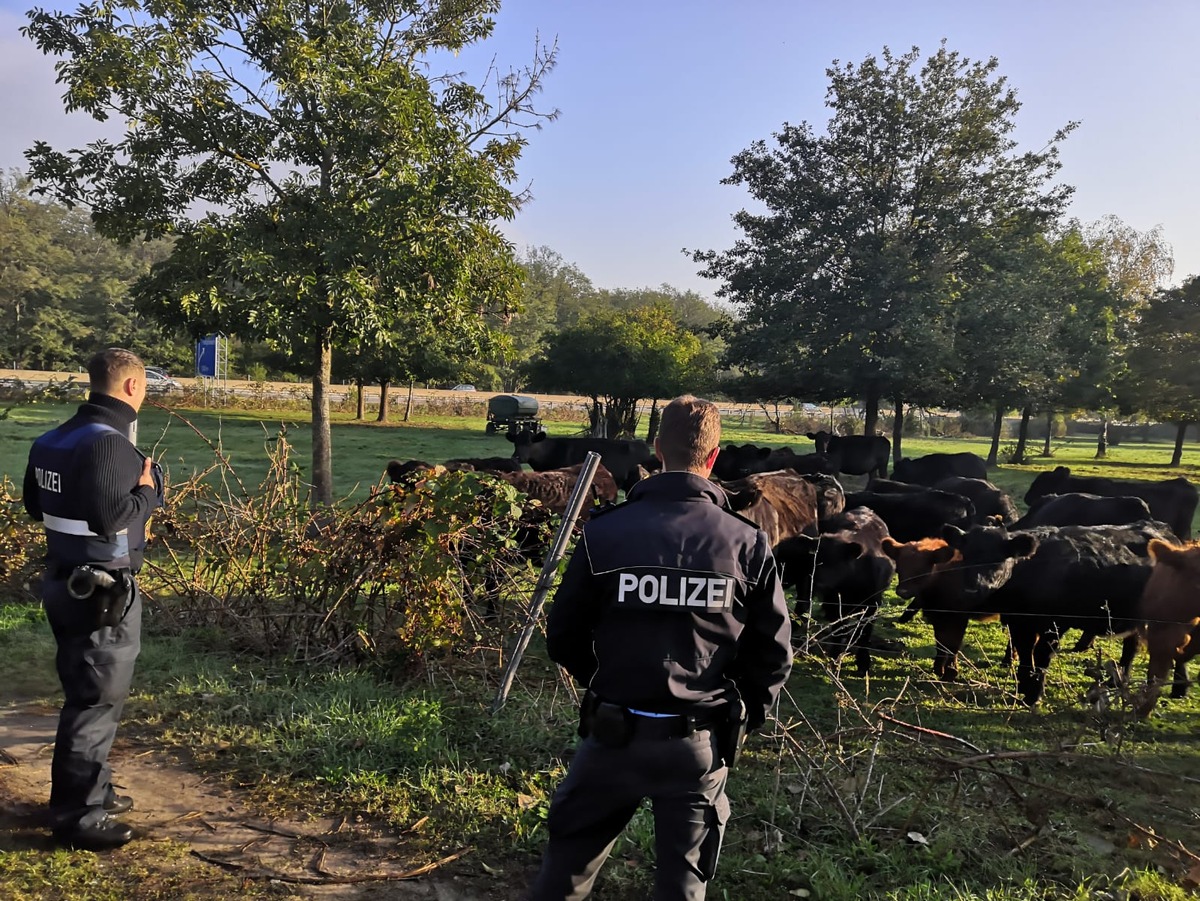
x,y
614,726
107,593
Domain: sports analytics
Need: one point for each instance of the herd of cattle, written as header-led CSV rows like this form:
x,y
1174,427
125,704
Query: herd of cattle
x,y
1104,556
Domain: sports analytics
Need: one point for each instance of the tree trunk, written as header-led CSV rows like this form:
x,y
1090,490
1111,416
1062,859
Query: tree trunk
x,y
993,457
408,403
1023,436
322,444
652,428
871,411
1102,440
360,412
1049,432
897,431
384,406
1180,432
598,419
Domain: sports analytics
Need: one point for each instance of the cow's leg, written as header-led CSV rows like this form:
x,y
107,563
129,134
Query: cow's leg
x,y
861,641
1024,639
948,634
1084,643
913,608
1129,649
1179,686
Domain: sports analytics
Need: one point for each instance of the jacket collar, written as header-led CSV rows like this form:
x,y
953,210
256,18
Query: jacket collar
x,y
108,409
676,485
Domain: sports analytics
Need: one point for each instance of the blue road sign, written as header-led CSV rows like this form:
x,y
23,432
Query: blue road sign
x,y
206,357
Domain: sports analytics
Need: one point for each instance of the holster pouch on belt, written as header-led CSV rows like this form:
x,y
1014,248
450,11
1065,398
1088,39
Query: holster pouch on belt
x,y
107,591
731,734
611,725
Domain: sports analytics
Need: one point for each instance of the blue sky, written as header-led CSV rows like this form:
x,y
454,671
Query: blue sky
x,y
656,96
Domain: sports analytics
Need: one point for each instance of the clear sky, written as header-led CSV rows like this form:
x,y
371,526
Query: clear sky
x,y
657,95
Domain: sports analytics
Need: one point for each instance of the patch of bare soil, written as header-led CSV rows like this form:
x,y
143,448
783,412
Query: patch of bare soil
x,y
324,858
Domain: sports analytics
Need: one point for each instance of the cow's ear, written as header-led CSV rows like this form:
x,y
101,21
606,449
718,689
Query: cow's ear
x,y
891,547
953,535
942,555
1164,552
1062,471
792,548
1022,545
743,498
510,437
762,452
810,436
539,436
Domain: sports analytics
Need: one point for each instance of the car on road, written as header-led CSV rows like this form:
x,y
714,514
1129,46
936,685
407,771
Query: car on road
x,y
158,382
463,388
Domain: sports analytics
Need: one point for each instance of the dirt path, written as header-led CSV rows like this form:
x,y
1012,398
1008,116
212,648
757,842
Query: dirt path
x,y
308,859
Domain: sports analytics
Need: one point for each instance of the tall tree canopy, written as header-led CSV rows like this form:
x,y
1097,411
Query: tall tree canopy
x,y
349,192
1163,378
862,237
620,357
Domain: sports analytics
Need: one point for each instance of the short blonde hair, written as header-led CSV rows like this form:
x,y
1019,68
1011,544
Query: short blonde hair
x,y
687,433
110,367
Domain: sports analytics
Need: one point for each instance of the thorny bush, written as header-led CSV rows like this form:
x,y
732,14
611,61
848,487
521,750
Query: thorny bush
x,y
417,570
21,544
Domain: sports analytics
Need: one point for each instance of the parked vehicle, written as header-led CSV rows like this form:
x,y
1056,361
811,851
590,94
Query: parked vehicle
x,y
515,412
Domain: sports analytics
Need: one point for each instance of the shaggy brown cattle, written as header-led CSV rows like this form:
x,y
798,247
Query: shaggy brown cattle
x,y
782,503
1170,609
553,487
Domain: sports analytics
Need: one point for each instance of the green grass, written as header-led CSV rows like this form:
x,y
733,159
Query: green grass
x,y
1060,822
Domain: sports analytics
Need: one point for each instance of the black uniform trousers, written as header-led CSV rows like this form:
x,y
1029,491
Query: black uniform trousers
x,y
95,667
685,780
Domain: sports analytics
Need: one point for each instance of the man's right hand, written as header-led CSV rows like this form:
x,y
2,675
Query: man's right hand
x,y
147,478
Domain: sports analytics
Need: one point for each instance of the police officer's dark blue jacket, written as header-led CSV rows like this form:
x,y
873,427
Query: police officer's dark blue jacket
x,y
81,482
668,598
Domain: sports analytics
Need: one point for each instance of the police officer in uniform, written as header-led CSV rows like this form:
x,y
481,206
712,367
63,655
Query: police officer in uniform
x,y
670,612
94,492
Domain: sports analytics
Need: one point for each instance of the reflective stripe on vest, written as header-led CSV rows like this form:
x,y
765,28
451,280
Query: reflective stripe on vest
x,y
71,526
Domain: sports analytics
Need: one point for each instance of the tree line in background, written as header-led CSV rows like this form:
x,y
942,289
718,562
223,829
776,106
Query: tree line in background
x,y
350,188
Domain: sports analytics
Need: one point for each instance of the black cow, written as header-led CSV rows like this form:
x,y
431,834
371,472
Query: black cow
x,y
1172,501
736,461
1047,580
831,497
845,569
932,468
913,516
782,503
1083,510
991,503
854,454
619,456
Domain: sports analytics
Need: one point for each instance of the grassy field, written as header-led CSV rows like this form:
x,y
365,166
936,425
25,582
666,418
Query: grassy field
x,y
892,787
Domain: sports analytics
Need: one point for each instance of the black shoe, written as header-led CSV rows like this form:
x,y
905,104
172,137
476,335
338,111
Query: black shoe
x,y
118,804
103,836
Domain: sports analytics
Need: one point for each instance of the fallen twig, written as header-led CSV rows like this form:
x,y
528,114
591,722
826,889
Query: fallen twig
x,y
261,872
933,733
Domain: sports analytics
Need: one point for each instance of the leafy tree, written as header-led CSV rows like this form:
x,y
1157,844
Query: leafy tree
x,y
1137,264
620,357
348,188
1163,379
556,294
846,277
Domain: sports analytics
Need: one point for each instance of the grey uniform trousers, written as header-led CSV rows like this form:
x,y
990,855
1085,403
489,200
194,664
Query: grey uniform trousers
x,y
685,781
95,667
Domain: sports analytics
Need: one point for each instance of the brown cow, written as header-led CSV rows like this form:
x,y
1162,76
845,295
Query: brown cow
x,y
782,503
553,487
1170,608
926,575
